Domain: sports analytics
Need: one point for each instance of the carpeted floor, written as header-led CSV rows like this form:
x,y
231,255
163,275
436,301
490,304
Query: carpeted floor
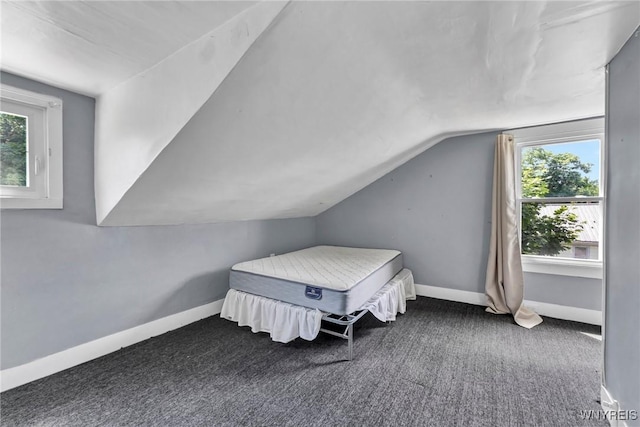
x,y
440,364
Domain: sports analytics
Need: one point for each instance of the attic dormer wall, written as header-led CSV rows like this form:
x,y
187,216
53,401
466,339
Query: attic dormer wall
x,y
139,117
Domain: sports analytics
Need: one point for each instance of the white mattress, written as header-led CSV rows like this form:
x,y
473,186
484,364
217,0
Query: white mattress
x,y
333,279
329,267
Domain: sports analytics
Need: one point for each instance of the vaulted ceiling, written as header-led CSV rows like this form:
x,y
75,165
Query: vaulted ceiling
x,y
223,111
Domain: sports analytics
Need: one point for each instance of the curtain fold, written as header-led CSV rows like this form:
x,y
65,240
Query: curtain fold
x,y
504,285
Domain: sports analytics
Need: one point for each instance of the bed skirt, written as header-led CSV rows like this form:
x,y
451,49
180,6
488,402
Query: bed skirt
x,y
286,322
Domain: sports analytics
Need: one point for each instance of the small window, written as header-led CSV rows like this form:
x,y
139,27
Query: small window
x,y
560,196
30,150
581,252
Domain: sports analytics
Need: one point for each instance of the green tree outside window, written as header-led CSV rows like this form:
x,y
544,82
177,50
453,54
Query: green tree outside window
x,y
548,174
13,150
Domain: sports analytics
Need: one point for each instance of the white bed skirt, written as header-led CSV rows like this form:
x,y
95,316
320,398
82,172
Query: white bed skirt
x,y
392,297
286,322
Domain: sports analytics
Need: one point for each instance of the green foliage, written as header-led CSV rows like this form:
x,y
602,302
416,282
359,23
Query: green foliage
x,y
548,235
547,174
13,150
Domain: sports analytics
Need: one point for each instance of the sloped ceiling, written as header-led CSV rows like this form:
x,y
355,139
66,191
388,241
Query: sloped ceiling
x,y
91,46
282,110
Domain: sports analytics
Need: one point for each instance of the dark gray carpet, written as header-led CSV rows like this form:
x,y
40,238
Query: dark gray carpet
x,y
441,364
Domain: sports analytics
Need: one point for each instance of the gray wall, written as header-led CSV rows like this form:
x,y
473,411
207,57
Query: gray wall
x,y
66,281
622,245
436,209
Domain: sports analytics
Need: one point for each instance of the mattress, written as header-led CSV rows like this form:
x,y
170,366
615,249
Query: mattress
x,y
332,279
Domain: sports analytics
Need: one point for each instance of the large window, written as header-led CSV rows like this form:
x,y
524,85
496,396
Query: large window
x,y
30,149
560,196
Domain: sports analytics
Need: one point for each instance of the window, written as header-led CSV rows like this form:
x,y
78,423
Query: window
x,y
30,150
581,252
560,196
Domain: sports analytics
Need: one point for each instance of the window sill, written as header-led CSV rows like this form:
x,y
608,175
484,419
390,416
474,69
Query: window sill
x,y
562,266
18,203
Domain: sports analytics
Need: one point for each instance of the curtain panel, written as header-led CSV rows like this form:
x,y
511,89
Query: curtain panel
x,y
505,280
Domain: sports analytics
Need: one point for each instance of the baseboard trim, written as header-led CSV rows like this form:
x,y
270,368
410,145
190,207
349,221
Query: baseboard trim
x,y
576,314
612,411
565,312
449,294
40,368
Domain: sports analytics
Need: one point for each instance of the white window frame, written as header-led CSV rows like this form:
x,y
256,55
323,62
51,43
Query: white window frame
x,y
45,150
553,134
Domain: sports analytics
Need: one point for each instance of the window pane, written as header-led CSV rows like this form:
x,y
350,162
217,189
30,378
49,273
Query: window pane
x,y
561,230
13,150
561,170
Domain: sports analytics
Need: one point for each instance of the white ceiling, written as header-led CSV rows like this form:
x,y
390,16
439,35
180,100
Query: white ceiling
x,y
91,46
319,99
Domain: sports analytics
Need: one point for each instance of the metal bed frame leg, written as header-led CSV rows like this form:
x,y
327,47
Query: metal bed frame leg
x,y
350,340
347,321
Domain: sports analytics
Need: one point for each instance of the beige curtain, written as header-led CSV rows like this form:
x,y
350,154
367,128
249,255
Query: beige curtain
x,y
505,281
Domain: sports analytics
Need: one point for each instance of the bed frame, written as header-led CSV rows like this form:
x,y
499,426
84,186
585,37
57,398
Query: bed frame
x,y
344,322
347,321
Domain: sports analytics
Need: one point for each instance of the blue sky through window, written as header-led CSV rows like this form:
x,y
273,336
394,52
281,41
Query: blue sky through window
x,y
588,151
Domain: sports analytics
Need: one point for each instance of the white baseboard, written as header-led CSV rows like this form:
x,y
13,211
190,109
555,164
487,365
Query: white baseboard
x,y
40,368
565,312
593,317
611,409
608,404
449,294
